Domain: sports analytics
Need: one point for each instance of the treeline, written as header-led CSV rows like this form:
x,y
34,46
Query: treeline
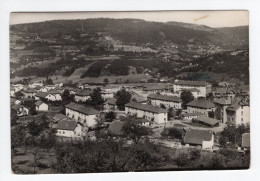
x,y
95,69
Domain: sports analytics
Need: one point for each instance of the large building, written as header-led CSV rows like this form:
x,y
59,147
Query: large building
x,y
203,87
149,112
85,115
69,128
238,113
220,109
168,101
200,106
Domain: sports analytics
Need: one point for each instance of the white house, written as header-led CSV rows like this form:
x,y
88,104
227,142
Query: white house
x,y
40,95
202,86
200,106
110,105
41,106
107,95
190,116
149,112
85,115
29,93
54,95
69,128
168,101
33,85
82,95
201,138
238,113
17,87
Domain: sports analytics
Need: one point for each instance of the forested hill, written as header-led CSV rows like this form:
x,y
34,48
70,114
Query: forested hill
x,y
140,31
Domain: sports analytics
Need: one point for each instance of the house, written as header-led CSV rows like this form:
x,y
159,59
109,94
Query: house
x,y
54,95
207,121
168,101
41,106
17,87
200,106
50,87
69,128
58,117
111,89
238,112
107,95
12,92
33,85
154,89
29,93
203,87
20,109
246,141
85,115
221,105
149,112
43,89
71,90
190,116
110,105
41,95
83,86
14,101
201,138
38,88
82,95
227,92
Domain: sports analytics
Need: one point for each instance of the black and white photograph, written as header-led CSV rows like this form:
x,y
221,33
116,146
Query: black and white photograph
x,y
129,91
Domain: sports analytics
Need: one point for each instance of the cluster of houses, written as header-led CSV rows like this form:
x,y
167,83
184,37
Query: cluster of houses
x,y
227,106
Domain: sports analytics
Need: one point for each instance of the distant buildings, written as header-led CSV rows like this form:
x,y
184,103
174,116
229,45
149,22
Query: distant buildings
x,y
168,101
29,93
152,113
41,106
220,108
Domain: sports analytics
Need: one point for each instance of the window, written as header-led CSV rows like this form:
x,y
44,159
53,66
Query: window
x,y
241,120
241,113
63,132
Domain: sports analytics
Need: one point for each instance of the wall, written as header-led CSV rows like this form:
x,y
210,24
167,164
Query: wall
x,y
168,104
200,110
208,144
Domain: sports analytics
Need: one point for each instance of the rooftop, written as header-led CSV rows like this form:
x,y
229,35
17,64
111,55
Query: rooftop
x,y
111,101
194,136
201,103
41,94
164,97
81,109
207,120
83,93
67,125
192,114
192,83
39,102
145,107
29,90
116,128
223,101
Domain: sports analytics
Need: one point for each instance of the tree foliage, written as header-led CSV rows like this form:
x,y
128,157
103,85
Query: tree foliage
x,y
186,97
123,97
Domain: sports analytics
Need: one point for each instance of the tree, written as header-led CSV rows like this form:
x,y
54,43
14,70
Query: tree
x,y
195,154
123,97
172,132
32,110
106,81
171,113
110,116
13,117
181,159
67,97
49,81
186,97
133,129
18,95
96,99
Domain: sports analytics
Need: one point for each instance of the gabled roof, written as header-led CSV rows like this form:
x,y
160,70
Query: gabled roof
x,y
145,107
207,120
201,103
194,136
59,117
246,140
192,83
41,94
83,93
67,125
164,98
39,102
81,109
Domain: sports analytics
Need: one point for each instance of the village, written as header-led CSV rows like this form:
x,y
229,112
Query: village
x,y
195,109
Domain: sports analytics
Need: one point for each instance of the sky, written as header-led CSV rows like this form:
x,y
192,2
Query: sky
x,y
208,18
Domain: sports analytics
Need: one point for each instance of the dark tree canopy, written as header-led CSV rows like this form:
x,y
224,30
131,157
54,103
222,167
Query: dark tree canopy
x,y
123,97
186,97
